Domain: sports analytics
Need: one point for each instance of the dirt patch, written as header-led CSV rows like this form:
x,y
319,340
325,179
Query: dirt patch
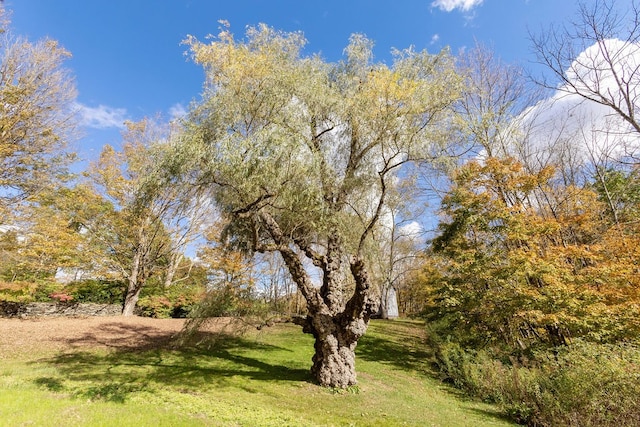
x,y
35,336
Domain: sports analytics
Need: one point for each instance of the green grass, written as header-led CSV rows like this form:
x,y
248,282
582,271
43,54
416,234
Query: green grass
x,y
260,379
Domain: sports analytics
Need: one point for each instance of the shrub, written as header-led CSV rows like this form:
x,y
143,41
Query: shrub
x,y
157,306
585,384
17,291
96,291
60,297
590,385
44,290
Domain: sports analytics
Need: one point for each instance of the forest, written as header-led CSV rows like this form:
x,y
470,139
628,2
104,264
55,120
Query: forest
x,y
308,191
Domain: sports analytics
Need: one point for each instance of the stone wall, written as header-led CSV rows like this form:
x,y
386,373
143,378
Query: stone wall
x,y
45,309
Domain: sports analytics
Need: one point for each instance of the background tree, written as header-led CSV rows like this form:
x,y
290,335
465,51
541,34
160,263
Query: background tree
x,y
276,286
495,95
597,60
151,226
36,115
299,155
49,237
514,276
36,123
397,245
231,280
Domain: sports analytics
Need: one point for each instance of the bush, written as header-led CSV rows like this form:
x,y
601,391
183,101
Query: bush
x,y
176,300
43,291
60,297
227,301
591,385
17,291
583,385
157,306
96,291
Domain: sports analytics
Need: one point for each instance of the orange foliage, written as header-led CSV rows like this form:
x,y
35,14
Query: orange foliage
x,y
524,261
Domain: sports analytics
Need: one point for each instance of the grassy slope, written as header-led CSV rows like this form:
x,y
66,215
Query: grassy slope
x,y
258,380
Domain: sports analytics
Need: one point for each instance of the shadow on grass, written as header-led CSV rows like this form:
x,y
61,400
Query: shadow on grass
x,y
120,360
401,343
147,359
397,342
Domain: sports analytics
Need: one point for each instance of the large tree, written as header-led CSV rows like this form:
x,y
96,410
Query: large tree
x,y
300,154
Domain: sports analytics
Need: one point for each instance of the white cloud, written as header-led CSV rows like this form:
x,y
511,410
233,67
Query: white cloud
x,y
412,230
463,5
177,111
435,38
566,127
101,117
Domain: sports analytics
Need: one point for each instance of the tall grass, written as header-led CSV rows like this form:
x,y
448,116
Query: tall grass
x,y
583,385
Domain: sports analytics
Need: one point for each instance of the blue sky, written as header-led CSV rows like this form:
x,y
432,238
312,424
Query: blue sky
x,y
129,63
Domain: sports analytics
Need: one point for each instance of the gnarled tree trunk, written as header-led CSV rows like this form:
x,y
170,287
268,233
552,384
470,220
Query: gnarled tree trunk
x,y
337,333
334,361
335,322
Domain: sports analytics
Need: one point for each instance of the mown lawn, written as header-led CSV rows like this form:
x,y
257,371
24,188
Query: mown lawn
x,y
259,379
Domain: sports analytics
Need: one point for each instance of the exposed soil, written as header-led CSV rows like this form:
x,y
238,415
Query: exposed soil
x,y
24,336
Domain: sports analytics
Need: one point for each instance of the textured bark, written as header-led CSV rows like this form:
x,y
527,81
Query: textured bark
x,y
336,324
337,331
334,361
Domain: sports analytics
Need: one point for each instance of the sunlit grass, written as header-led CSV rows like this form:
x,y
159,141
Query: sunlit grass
x,y
260,379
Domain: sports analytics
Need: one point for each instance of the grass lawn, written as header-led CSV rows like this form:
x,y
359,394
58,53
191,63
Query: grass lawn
x,y
259,379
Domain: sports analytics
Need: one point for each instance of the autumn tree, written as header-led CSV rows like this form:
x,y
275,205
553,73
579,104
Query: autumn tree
x,y
495,94
514,275
36,115
49,237
299,155
36,123
231,279
151,225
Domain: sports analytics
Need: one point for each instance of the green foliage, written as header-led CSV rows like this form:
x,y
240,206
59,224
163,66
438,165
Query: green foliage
x,y
17,291
170,304
229,301
585,384
27,291
96,291
619,190
157,306
177,300
45,290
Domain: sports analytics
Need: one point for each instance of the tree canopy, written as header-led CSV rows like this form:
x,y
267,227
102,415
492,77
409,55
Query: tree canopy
x,y
36,114
300,154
